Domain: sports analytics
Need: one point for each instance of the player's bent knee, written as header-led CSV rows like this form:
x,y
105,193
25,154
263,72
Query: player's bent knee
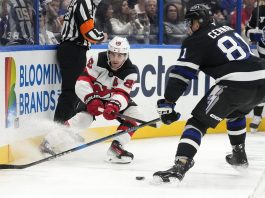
x,y
197,124
235,124
126,124
81,121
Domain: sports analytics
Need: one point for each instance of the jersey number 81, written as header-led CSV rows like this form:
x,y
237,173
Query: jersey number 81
x,y
234,47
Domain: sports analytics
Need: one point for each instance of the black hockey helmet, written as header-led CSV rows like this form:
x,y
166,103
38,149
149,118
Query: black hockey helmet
x,y
200,12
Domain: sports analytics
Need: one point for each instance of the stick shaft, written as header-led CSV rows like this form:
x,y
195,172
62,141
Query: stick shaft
x,y
11,166
257,22
130,118
134,119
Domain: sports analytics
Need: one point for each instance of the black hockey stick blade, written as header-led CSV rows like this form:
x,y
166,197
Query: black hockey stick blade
x,y
12,166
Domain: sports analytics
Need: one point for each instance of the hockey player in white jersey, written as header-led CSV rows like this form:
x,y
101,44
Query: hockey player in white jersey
x,y
104,87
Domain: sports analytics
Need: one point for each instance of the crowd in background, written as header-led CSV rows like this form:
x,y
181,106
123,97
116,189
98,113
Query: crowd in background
x,y
138,20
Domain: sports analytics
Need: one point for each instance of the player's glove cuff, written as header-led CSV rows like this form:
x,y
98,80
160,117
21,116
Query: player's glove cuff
x,y
166,111
89,97
94,104
165,108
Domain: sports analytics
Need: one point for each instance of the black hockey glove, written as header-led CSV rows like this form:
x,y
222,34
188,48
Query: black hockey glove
x,y
167,112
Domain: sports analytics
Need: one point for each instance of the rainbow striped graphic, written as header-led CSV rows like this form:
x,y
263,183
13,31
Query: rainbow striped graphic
x,y
10,94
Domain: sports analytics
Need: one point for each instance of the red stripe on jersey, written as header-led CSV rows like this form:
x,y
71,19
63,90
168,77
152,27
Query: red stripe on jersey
x,y
122,93
120,90
86,73
133,123
88,79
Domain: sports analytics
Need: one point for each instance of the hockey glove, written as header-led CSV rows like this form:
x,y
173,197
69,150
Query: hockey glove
x,y
255,35
167,112
109,109
93,103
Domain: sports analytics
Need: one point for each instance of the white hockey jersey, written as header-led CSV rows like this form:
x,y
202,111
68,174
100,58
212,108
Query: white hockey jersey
x,y
100,79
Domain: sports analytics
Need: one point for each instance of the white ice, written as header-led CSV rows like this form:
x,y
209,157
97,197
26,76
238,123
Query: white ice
x,y
85,174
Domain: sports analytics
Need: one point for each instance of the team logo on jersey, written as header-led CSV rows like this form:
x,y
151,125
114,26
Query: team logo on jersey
x,y
101,90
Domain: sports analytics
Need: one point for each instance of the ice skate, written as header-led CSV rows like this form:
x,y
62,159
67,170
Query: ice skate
x,y
238,158
46,148
254,125
116,154
174,174
78,139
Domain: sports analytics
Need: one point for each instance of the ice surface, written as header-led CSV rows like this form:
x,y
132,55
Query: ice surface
x,y
85,174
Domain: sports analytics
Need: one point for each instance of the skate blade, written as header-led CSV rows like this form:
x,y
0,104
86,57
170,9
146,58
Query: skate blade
x,y
46,153
253,130
115,160
174,181
241,168
157,180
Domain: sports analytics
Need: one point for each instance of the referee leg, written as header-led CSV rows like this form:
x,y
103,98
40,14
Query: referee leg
x,y
72,60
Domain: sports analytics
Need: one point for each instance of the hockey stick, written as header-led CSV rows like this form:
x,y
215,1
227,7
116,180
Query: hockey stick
x,y
11,166
130,118
260,187
257,21
135,119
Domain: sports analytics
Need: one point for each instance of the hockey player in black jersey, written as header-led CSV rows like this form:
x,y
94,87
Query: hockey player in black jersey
x,y
240,83
255,32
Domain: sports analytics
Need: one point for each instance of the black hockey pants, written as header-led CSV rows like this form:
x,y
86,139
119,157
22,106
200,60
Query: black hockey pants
x,y
72,61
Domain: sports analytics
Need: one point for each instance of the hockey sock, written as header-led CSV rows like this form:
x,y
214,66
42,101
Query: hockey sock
x,y
126,124
125,138
236,130
258,110
189,142
191,138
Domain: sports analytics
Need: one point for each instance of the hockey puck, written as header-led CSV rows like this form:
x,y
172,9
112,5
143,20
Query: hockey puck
x,y
140,178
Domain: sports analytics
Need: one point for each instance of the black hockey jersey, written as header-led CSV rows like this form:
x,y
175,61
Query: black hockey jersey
x,y
99,78
252,24
219,52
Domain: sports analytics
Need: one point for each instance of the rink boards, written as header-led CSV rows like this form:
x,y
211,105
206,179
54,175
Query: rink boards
x,y
11,152
32,84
